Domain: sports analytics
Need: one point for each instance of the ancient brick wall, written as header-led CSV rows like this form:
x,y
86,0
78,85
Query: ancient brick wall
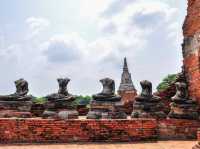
x,y
177,129
53,131
191,48
192,22
128,98
43,131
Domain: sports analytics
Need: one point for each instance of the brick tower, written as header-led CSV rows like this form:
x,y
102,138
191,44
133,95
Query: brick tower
x,y
126,89
191,48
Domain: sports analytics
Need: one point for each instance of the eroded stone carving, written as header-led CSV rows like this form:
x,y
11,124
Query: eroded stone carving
x,y
108,92
60,105
147,105
182,107
17,104
106,104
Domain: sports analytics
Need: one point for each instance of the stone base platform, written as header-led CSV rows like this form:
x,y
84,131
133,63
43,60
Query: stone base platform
x,y
15,114
19,109
61,115
24,106
106,110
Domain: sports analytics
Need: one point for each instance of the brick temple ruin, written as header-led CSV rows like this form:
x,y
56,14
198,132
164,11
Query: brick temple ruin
x,y
191,48
108,119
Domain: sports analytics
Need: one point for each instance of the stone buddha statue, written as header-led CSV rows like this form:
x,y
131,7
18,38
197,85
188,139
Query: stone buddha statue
x,y
106,104
59,105
181,106
181,92
108,92
21,92
146,90
17,102
63,94
147,105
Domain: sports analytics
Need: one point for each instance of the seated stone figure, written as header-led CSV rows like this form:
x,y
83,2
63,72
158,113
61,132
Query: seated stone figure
x,y
59,105
181,106
108,92
17,104
106,105
147,105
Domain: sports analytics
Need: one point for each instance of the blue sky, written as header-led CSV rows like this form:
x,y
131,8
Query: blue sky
x,y
86,40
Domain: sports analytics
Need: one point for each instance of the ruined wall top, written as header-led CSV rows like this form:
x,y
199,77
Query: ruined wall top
x,y
192,22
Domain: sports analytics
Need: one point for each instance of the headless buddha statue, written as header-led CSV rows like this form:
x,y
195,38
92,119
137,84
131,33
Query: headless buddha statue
x,y
181,106
106,105
108,92
17,104
147,105
59,105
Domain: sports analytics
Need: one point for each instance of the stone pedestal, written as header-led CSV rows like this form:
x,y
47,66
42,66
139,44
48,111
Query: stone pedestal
x,y
147,105
182,107
148,109
15,114
106,105
63,110
18,104
60,105
106,110
15,109
183,110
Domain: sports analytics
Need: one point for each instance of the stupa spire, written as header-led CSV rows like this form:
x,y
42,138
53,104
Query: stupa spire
x,y
125,68
126,80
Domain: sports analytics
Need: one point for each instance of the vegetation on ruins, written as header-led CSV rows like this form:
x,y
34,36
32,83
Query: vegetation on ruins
x,y
40,100
166,82
80,100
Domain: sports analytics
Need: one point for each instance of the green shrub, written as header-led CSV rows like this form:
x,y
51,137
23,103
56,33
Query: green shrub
x,y
40,100
166,82
82,100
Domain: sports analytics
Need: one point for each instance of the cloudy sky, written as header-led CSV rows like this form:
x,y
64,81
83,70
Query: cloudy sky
x,y
86,40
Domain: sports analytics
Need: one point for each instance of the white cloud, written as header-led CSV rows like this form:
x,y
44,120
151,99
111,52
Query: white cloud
x,y
143,31
63,49
116,7
91,9
37,25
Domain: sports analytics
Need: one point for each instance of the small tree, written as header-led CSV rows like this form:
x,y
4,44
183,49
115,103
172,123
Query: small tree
x,y
166,82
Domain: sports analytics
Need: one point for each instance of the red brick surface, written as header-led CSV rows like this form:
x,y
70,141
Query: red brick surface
x,y
192,67
178,129
44,131
192,22
128,98
192,61
53,131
